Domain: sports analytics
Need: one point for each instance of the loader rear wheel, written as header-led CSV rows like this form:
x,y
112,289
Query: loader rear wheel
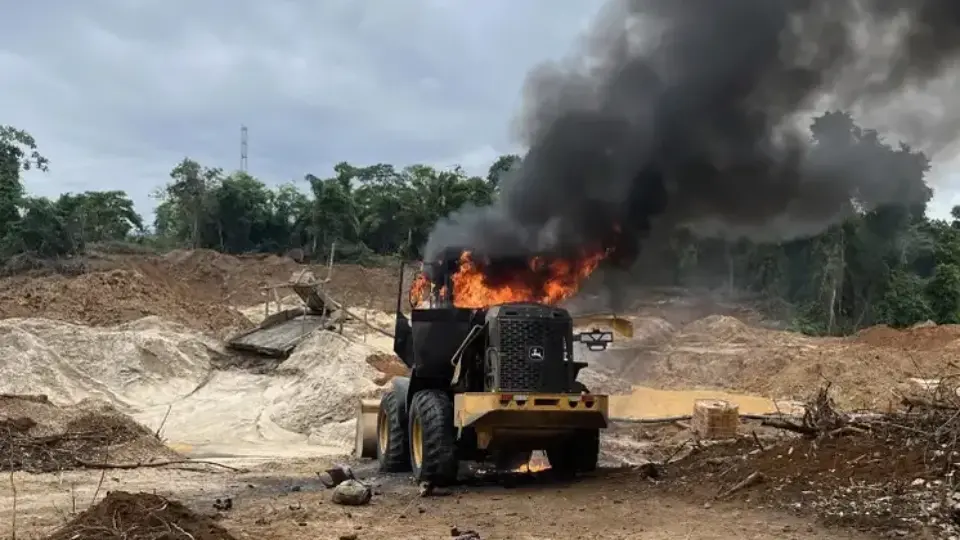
x,y
433,444
578,454
392,450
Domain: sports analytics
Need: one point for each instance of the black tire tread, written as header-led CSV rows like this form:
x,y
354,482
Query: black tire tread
x,y
435,411
397,456
579,454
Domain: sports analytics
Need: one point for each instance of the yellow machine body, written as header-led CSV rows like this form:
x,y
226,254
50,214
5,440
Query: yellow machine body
x,y
517,419
512,419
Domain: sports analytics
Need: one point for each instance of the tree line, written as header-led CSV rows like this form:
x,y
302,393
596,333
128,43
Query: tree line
x,y
888,265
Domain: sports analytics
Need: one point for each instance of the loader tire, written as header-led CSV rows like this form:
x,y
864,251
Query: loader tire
x,y
578,454
392,447
433,444
581,452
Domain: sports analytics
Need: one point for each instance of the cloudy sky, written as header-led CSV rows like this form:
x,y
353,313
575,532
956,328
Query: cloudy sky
x,y
118,91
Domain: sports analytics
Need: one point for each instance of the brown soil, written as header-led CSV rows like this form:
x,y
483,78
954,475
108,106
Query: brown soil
x,y
884,480
924,337
38,436
389,366
237,280
195,288
723,352
284,499
113,297
139,516
612,504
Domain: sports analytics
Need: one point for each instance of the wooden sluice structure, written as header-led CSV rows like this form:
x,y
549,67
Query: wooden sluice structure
x,y
280,333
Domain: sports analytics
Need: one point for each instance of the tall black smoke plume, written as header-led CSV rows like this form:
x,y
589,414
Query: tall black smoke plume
x,y
686,112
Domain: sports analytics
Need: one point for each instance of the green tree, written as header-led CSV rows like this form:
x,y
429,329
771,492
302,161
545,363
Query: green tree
x,y
98,216
187,199
18,151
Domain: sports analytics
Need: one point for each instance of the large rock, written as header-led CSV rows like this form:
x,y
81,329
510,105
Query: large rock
x,y
352,493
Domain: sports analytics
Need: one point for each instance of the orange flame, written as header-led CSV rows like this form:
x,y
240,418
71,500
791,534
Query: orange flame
x,y
537,463
543,281
420,289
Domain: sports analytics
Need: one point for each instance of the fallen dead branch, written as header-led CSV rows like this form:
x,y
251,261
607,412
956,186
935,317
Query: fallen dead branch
x,y
154,464
820,418
923,403
790,426
687,417
751,480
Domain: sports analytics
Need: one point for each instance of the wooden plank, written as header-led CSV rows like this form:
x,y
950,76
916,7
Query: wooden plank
x,y
316,300
278,339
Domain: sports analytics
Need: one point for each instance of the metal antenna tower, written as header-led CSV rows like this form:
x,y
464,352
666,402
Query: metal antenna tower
x,y
243,148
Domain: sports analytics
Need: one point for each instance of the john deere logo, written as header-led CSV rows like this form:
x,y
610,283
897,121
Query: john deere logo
x,y
535,353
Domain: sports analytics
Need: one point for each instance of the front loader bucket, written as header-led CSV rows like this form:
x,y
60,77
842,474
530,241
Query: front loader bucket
x,y
367,428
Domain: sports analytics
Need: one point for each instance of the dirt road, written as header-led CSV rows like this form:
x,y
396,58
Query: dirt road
x,y
287,501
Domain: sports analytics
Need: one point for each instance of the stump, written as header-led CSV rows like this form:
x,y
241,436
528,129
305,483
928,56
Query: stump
x,y
715,419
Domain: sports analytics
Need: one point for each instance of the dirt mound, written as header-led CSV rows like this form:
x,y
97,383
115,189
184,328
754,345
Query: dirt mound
x,y
924,336
367,287
388,365
238,280
723,352
143,363
223,278
113,297
193,287
891,477
38,436
139,516
601,381
625,358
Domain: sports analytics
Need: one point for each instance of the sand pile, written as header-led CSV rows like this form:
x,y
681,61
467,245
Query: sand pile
x,y
38,436
113,297
139,516
146,362
723,352
161,372
327,375
305,407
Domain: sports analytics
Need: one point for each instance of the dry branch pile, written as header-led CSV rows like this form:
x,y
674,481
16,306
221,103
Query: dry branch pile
x,y
46,438
883,472
139,516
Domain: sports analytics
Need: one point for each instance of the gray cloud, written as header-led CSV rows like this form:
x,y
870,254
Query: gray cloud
x,y
116,92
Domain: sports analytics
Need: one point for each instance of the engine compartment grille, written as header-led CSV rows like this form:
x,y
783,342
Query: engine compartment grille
x,y
519,369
